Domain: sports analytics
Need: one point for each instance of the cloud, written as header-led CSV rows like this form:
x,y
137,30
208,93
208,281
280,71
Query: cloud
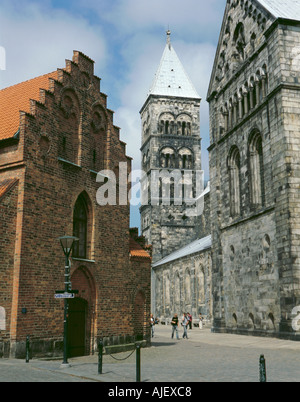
x,y
38,39
193,16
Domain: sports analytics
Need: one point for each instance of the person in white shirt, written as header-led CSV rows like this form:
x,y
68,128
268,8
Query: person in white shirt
x,y
185,323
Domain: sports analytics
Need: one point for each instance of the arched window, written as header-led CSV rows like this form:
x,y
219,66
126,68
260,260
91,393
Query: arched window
x,y
235,109
253,97
234,182
230,114
166,124
239,40
177,290
264,81
159,295
247,98
226,117
187,287
241,103
167,158
201,286
69,123
98,138
256,170
80,226
251,321
185,159
184,124
167,291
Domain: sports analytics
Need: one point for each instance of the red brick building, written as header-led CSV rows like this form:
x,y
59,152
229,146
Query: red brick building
x,y
56,133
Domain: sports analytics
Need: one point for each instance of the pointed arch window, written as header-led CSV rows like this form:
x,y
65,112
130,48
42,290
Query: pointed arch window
x,y
234,182
80,226
69,123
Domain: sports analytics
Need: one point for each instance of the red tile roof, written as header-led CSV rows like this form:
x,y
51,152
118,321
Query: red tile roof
x,y
136,250
17,98
6,185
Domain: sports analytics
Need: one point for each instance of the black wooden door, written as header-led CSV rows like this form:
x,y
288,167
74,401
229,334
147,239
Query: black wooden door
x,y
77,327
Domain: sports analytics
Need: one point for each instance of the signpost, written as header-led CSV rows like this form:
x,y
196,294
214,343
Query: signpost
x,y
64,295
67,243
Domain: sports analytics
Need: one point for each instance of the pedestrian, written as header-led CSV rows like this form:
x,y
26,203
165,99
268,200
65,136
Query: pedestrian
x,y
190,318
152,323
200,321
185,324
174,324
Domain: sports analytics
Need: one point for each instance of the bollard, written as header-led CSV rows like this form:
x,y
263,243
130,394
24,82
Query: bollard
x,y
100,356
27,349
138,362
262,369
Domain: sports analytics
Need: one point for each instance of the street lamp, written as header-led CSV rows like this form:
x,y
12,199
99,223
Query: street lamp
x,y
67,243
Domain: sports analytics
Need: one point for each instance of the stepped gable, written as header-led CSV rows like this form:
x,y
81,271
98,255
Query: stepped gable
x,y
16,98
23,97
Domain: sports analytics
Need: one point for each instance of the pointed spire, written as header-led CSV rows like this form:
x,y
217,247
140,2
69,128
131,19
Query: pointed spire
x,y
169,38
171,78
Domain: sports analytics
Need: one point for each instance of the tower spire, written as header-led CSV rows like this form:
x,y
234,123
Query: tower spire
x,y
169,38
170,78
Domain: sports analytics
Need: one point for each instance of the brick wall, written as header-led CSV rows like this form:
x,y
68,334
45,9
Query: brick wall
x,y
61,163
8,226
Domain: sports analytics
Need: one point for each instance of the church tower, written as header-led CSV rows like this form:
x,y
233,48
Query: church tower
x,y
171,151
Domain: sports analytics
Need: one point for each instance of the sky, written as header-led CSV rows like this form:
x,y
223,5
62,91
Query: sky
x,y
125,38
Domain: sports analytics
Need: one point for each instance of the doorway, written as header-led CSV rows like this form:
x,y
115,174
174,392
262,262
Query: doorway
x,y
77,327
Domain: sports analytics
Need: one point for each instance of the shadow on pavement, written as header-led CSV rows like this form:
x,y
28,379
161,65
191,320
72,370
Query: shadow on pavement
x,y
157,344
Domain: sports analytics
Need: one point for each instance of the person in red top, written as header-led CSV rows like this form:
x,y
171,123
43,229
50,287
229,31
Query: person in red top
x,y
190,318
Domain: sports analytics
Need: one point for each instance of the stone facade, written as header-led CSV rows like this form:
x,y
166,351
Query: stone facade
x,y
254,172
166,226
183,284
171,143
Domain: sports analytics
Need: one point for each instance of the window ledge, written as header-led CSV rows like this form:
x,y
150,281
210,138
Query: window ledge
x,y
69,163
83,259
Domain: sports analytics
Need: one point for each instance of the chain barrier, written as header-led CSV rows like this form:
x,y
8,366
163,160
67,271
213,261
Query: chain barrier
x,y
27,353
117,358
262,369
137,349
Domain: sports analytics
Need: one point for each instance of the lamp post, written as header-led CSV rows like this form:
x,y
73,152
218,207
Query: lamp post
x,y
67,243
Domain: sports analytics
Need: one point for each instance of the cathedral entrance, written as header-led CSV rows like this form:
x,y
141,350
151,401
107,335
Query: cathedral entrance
x,y
77,327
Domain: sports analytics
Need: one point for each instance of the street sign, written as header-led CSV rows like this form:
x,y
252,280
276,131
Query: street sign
x,y
64,295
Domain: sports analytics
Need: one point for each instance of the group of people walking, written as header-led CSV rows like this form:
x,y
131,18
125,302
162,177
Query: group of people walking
x,y
186,323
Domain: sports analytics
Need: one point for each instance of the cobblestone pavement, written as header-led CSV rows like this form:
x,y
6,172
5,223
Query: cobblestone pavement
x,y
204,357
